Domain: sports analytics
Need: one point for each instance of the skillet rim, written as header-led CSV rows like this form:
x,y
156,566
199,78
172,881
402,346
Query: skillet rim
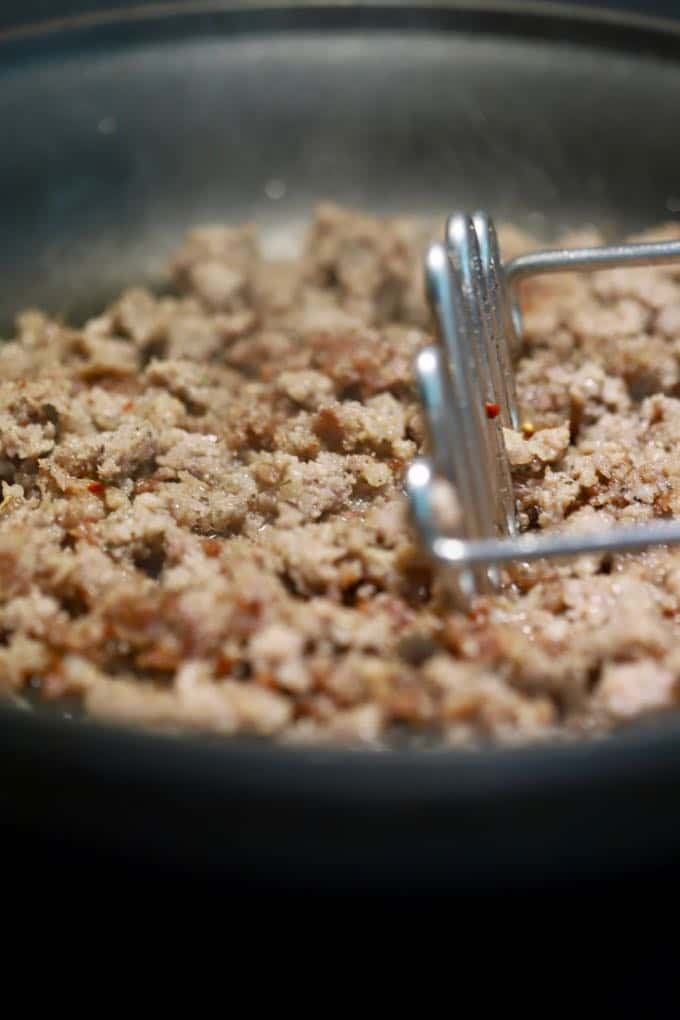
x,y
599,11
604,21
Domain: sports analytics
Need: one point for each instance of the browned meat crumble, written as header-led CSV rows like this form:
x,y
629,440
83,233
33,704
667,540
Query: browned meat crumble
x,y
203,526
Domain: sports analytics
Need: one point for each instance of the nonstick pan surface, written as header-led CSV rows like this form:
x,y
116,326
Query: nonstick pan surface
x,y
125,131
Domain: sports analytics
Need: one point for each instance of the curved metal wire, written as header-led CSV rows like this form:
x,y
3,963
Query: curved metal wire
x,y
474,303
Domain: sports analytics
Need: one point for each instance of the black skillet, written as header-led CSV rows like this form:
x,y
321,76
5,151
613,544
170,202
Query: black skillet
x,y
119,132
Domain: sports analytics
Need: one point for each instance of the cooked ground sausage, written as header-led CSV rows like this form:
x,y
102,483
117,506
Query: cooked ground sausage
x,y
203,525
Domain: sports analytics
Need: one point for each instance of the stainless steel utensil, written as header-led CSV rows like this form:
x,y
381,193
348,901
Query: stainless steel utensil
x,y
467,387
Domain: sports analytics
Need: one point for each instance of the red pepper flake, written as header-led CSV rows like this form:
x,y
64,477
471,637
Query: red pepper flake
x,y
211,547
224,664
145,485
267,680
160,657
96,487
492,410
128,405
479,611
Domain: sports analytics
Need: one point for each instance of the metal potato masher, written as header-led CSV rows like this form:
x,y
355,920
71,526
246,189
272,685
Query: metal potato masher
x,y
467,388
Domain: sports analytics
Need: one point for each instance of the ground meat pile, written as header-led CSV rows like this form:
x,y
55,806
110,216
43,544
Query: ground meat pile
x,y
203,524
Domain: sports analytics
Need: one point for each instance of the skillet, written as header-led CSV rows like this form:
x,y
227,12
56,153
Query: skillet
x,y
127,128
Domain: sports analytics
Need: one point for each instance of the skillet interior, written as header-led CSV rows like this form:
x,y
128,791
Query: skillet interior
x,y
125,133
